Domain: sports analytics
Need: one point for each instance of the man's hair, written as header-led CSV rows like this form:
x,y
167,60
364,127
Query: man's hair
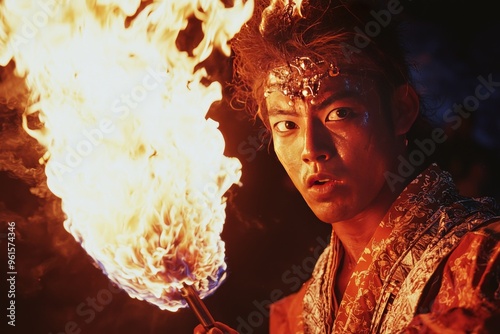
x,y
331,31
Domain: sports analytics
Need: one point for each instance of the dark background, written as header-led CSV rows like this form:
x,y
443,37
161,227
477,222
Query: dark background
x,y
271,237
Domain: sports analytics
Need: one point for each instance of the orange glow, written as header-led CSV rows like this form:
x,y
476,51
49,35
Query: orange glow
x,y
293,9
138,166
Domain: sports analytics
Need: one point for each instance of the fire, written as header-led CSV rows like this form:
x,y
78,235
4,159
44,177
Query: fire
x,y
291,8
138,166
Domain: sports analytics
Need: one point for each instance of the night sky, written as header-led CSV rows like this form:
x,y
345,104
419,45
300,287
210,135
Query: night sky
x,y
272,239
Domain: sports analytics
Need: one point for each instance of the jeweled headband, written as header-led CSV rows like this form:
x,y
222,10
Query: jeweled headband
x,y
300,78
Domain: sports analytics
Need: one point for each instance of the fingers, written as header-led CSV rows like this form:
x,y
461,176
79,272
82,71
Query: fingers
x,y
219,328
223,329
199,330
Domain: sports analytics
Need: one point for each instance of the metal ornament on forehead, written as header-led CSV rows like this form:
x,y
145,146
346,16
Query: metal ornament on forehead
x,y
300,78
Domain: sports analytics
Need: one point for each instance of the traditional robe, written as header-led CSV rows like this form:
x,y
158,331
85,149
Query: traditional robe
x,y
432,266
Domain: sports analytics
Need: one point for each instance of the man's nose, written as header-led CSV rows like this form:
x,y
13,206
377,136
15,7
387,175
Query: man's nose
x,y
318,143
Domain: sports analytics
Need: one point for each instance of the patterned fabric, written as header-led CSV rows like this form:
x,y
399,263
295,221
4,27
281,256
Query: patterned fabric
x,y
396,276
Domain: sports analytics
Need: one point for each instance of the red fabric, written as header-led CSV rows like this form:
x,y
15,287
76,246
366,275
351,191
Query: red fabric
x,y
286,314
468,300
423,272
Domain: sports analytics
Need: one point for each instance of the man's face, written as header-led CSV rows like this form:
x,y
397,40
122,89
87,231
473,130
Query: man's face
x,y
335,147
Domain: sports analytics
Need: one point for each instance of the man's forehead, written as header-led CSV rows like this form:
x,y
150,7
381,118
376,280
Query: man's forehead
x,y
305,78
331,88
301,77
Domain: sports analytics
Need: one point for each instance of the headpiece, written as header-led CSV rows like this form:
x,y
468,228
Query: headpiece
x,y
300,78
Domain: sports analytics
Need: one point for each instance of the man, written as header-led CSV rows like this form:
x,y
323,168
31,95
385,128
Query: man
x,y
407,253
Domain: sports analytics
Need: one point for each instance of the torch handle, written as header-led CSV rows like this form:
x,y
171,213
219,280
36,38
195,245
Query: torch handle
x,y
196,304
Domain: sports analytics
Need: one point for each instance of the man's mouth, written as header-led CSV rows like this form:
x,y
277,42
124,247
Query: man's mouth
x,y
320,179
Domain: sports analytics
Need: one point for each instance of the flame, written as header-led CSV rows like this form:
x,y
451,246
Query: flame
x,y
138,166
290,9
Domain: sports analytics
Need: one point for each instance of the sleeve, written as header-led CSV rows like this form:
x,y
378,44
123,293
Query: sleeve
x,y
468,300
286,314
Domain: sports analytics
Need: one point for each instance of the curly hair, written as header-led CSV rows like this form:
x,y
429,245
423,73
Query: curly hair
x,y
330,31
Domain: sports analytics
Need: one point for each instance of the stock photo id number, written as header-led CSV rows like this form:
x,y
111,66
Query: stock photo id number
x,y
11,273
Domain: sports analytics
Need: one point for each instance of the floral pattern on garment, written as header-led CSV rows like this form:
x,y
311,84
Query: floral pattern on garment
x,y
404,276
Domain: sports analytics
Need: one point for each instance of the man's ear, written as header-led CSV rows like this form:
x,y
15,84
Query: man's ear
x,y
405,108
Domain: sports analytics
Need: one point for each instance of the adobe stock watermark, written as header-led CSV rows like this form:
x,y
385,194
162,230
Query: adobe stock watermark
x,y
373,28
452,117
254,143
33,24
294,277
88,309
121,107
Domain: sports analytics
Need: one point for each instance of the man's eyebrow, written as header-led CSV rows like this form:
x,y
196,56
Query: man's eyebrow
x,y
275,111
334,97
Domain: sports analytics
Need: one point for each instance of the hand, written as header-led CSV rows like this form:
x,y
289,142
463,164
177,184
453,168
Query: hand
x,y
219,328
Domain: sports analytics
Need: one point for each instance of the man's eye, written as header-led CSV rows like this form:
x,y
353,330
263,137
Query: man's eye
x,y
338,114
285,126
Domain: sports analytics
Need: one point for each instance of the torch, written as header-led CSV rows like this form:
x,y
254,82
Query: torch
x,y
196,304
161,211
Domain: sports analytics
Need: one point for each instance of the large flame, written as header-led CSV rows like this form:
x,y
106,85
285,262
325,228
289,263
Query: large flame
x,y
137,164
